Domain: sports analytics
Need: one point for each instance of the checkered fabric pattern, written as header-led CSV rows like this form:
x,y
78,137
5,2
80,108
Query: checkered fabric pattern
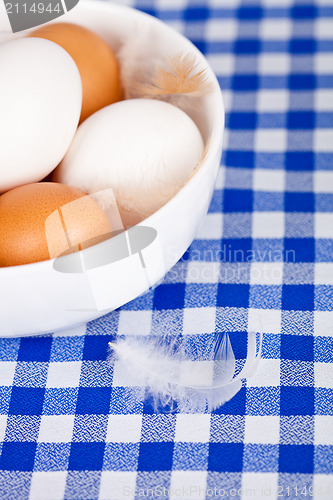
x,y
67,430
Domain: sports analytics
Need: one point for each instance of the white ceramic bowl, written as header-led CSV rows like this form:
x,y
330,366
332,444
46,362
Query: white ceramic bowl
x,y
38,298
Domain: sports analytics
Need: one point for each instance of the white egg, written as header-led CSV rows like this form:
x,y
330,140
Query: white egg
x,y
144,149
40,103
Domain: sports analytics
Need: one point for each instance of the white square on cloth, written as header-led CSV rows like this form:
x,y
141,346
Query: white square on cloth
x,y
3,425
270,140
117,485
218,30
323,100
324,273
210,228
7,372
199,320
124,429
269,180
323,63
260,484
323,225
203,272
188,485
272,100
268,225
223,64
323,373
267,374
63,374
274,64
275,29
323,430
323,181
134,322
265,320
323,323
56,429
48,485
266,273
323,140
322,486
323,28
262,429
192,428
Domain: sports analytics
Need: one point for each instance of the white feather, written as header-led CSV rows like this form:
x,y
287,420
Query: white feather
x,y
172,375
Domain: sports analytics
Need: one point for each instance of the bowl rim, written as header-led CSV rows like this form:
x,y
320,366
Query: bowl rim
x,y
214,139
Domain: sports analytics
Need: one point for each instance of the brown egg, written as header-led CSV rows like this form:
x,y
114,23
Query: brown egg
x,y
44,220
97,64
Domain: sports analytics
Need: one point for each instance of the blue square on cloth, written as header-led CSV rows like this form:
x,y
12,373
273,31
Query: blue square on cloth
x,y
297,400
18,456
96,347
250,13
301,120
303,11
239,343
149,407
297,347
93,400
235,249
302,46
299,160
196,13
241,121
247,46
296,458
155,456
238,200
299,202
300,249
245,83
302,81
86,456
236,405
233,295
225,457
35,349
26,401
298,297
170,296
239,159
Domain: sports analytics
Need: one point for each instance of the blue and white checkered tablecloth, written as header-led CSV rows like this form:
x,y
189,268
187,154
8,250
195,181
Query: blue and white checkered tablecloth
x,y
66,429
